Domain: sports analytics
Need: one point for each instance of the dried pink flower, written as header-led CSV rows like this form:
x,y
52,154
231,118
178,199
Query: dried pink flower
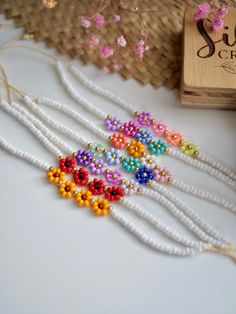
x,y
84,21
106,70
202,11
139,48
221,11
107,51
93,41
121,41
99,20
217,24
116,18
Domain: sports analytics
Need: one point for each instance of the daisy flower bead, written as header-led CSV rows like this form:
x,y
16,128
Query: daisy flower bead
x,y
130,128
101,207
114,193
112,156
98,167
113,177
130,187
67,189
143,136
157,147
162,175
67,164
96,187
159,128
148,161
144,118
174,138
112,124
96,150
135,149
131,164
80,176
118,140
55,175
83,198
144,175
84,158
188,148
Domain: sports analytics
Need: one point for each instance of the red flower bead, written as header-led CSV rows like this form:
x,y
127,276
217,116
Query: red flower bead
x,y
80,176
114,193
67,164
96,187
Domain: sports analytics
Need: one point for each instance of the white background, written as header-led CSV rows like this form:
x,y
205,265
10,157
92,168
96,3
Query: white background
x,y
57,258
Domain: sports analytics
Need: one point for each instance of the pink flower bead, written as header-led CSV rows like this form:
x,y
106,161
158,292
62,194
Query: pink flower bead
x,y
99,20
107,51
174,138
202,11
221,11
130,128
161,175
217,24
159,128
118,141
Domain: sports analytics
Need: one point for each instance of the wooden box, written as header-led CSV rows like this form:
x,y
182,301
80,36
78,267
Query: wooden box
x,y
209,63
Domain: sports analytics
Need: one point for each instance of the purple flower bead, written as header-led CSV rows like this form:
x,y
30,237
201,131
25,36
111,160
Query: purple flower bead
x,y
112,124
98,167
144,118
130,128
83,158
113,177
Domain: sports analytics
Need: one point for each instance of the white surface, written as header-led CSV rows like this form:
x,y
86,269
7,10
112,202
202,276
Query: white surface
x,y
56,258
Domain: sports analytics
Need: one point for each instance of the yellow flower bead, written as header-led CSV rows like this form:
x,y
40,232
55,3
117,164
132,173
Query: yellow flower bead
x,y
135,149
101,207
55,175
83,198
66,189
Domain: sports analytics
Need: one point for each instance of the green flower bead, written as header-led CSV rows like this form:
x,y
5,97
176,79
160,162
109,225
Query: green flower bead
x,y
189,148
130,164
96,150
157,147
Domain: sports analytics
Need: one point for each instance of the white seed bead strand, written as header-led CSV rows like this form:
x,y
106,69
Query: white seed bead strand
x,y
101,91
88,105
203,167
182,217
47,132
52,148
22,155
183,186
162,248
75,115
211,161
52,122
159,225
189,212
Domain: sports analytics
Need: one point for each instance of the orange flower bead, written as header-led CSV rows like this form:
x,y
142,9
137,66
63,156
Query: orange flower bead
x,y
66,189
135,149
174,138
101,207
55,175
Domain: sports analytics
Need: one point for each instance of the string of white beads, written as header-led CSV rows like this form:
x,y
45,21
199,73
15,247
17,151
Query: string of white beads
x,y
84,102
189,212
32,128
47,132
22,155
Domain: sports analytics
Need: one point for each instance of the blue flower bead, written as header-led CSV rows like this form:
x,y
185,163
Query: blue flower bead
x,y
144,175
143,136
112,156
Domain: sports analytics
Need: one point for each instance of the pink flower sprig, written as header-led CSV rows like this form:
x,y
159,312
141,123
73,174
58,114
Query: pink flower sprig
x,y
217,12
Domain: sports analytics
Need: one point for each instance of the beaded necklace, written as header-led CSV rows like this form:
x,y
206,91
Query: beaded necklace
x,y
101,207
